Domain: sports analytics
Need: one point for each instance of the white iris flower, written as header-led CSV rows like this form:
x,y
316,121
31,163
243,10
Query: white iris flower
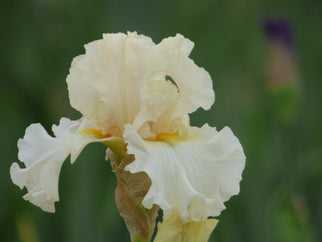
x,y
129,88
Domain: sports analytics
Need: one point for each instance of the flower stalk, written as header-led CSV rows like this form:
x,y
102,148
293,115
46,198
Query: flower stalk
x,y
130,191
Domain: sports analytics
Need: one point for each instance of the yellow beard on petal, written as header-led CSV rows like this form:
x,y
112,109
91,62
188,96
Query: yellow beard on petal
x,y
94,132
171,139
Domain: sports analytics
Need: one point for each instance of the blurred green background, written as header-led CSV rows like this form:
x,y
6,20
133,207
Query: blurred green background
x,y
279,128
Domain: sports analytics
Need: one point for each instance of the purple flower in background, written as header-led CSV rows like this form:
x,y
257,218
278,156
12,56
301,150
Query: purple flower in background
x,y
282,70
279,31
281,64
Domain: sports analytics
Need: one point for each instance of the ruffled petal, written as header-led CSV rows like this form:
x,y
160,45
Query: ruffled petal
x,y
158,106
105,84
156,98
135,35
111,83
193,174
43,157
194,83
177,43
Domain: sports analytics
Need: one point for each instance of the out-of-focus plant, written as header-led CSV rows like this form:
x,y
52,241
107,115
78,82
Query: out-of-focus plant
x,y
282,70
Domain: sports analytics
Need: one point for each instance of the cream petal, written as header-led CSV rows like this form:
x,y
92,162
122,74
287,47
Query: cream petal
x,y
157,99
158,106
111,83
193,176
43,157
105,83
194,83
177,43
134,35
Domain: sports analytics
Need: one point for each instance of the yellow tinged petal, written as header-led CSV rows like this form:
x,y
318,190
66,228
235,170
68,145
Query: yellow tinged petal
x,y
94,132
116,144
170,230
169,138
174,230
198,231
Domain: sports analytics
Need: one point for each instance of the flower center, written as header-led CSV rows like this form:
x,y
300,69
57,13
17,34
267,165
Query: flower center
x,y
171,139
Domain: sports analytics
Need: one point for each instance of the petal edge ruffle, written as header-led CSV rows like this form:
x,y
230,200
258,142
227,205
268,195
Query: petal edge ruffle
x,y
43,157
195,176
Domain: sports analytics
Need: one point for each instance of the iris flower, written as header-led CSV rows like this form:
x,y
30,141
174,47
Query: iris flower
x,y
128,88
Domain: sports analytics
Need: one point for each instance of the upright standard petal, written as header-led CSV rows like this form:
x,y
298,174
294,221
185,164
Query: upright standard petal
x,y
43,157
177,43
194,83
105,83
193,174
110,84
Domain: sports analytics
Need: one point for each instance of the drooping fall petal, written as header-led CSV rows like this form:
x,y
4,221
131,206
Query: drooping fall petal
x,y
43,156
193,174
